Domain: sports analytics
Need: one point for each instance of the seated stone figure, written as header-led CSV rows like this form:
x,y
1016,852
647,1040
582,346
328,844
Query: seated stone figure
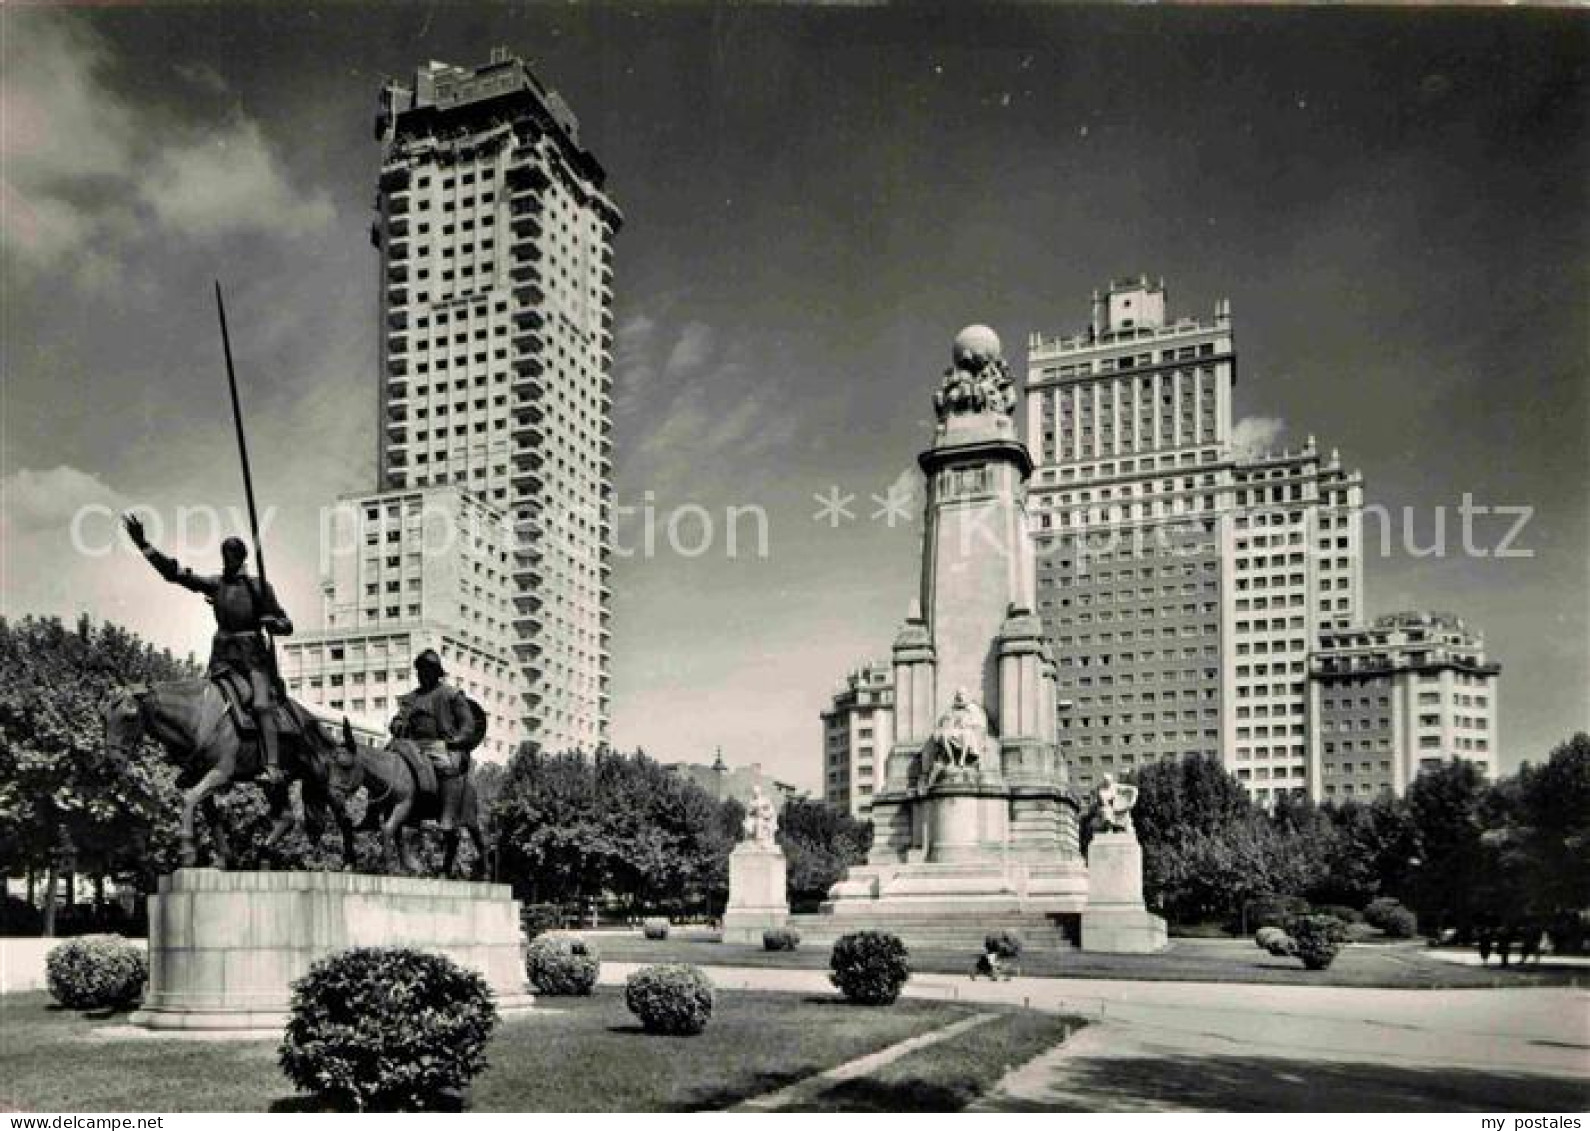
x,y
959,737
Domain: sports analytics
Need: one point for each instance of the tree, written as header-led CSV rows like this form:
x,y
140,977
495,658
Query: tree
x,y
576,827
1447,808
65,802
820,843
1186,817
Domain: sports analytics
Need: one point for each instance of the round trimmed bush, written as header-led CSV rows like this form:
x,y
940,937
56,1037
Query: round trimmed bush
x,y
1317,939
562,965
1266,937
1282,946
673,999
655,929
387,1029
780,938
1006,944
96,972
870,967
1390,916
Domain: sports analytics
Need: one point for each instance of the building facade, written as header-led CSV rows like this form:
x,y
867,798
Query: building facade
x,y
1392,698
858,730
408,570
736,783
495,238
1182,582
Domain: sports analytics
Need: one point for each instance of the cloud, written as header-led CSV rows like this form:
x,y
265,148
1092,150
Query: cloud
x,y
691,351
229,181
907,485
701,419
1255,435
84,172
35,501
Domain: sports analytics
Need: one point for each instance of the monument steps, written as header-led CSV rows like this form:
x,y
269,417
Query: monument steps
x,y
1039,934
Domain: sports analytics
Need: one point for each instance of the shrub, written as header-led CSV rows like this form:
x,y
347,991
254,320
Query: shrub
x,y
562,966
1282,945
1275,911
1317,939
387,1028
781,938
96,972
870,967
1348,915
537,919
655,928
675,1000
1392,918
1006,944
1267,937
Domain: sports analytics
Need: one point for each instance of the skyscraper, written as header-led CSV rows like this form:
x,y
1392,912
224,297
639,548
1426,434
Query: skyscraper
x,y
495,238
1184,583
1130,425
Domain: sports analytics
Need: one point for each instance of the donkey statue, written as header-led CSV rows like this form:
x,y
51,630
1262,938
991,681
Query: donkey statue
x,y
401,791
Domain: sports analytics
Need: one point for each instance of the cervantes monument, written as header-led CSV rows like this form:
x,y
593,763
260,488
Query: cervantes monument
x,y
975,825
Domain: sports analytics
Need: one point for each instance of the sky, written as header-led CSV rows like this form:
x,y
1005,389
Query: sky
x,y
816,199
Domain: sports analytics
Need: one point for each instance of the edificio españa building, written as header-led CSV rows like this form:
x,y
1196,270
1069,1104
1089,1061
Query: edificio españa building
x,y
1183,582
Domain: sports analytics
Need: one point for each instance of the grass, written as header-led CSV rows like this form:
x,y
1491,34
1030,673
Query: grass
x,y
571,1054
946,1076
1384,966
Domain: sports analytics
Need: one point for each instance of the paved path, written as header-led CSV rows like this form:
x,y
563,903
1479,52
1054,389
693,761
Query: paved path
x,y
1234,1047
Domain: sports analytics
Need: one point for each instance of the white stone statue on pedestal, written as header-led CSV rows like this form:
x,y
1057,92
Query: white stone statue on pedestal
x,y
760,826
1115,805
757,898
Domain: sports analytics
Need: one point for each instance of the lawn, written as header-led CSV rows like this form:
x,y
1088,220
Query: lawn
x,y
1383,966
946,1076
571,1054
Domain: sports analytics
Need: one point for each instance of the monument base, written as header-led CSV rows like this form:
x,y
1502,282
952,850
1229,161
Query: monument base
x,y
757,899
225,947
956,905
1116,922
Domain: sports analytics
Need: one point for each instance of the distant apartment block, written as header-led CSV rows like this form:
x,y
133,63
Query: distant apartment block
x,y
409,570
735,783
1397,696
858,730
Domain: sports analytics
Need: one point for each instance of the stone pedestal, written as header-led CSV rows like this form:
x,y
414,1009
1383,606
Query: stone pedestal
x,y
757,899
224,947
1115,921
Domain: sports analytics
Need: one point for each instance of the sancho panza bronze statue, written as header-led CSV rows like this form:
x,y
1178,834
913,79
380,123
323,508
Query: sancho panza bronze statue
x,y
244,608
438,719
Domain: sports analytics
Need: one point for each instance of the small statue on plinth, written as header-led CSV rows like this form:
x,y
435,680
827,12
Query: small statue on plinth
x,y
761,820
1115,801
959,737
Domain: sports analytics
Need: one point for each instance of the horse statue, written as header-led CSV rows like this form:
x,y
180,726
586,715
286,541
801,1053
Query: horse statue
x,y
401,792
197,728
